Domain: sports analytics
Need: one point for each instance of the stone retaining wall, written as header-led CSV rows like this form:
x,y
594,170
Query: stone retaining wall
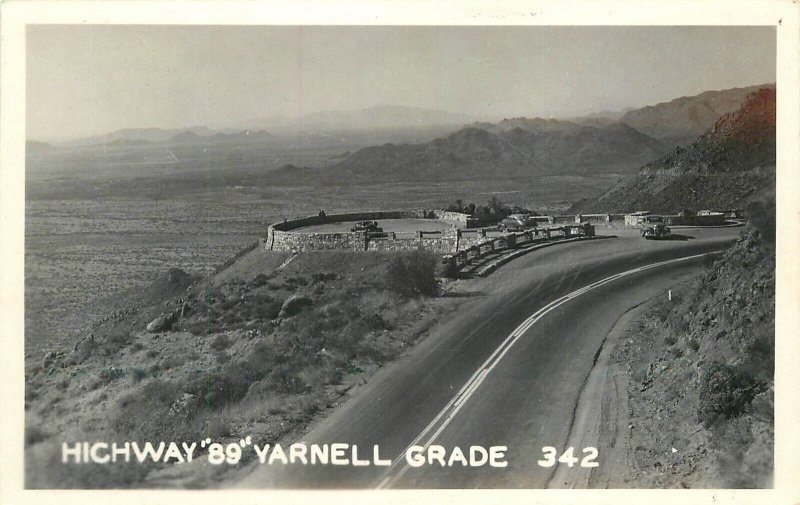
x,y
593,218
288,241
281,238
458,238
715,219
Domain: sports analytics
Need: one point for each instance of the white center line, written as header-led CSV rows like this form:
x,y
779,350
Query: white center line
x,y
399,466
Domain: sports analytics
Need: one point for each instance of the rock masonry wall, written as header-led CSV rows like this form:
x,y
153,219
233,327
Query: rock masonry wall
x,y
280,236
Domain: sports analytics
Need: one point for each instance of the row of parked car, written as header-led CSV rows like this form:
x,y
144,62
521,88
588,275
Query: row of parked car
x,y
654,228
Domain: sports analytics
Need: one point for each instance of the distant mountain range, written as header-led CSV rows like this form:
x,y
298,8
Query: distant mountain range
x,y
140,136
521,147
365,126
195,135
732,162
512,148
372,118
467,147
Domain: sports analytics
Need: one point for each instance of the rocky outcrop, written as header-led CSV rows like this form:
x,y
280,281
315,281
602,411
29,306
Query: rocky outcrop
x,y
723,169
679,122
293,305
163,322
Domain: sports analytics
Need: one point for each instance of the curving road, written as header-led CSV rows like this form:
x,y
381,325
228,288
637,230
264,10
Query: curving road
x,y
506,370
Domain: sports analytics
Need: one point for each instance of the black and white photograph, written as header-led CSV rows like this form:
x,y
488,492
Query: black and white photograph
x,y
403,256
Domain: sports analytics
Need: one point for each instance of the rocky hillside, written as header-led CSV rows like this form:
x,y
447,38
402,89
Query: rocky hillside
x,y
679,122
725,167
701,371
262,348
514,148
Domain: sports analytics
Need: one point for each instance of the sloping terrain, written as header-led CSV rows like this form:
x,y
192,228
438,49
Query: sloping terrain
x,y
258,349
679,122
721,170
700,372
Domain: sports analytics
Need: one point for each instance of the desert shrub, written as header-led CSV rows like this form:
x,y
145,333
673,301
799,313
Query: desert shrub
x,y
263,306
284,379
413,273
663,309
137,374
670,340
761,214
316,376
761,354
324,277
300,281
351,368
111,373
693,344
221,342
709,262
118,336
223,387
643,376
376,322
56,475
376,348
260,280
147,414
675,352
34,435
63,384
308,405
231,302
172,362
232,382
725,390
31,393
199,327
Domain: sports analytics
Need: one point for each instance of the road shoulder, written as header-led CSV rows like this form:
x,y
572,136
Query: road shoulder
x,y
601,417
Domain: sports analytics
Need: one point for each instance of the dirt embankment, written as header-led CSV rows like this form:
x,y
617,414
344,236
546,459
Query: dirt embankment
x,y
260,349
696,377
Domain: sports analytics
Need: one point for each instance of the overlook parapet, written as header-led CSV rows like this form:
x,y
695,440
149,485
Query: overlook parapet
x,y
302,234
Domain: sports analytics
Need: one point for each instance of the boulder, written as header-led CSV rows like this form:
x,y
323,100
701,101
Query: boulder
x,y
293,305
161,323
183,405
51,358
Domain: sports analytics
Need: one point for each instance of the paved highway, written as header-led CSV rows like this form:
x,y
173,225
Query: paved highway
x,y
506,370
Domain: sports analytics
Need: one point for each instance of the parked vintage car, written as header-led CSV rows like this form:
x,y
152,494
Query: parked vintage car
x,y
517,222
655,228
368,226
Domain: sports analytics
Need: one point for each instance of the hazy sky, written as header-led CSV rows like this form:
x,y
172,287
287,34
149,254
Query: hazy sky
x,y
85,80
